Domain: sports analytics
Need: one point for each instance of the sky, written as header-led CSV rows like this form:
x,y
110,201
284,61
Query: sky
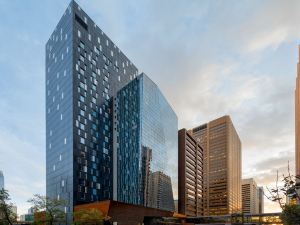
x,y
209,58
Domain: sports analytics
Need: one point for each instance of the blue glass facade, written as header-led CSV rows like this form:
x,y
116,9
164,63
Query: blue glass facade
x,y
145,146
84,69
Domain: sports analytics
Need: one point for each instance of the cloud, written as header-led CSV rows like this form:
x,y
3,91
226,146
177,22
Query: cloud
x,y
208,58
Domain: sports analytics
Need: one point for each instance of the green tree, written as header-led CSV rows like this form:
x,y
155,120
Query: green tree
x,y
7,216
88,216
291,215
50,210
287,188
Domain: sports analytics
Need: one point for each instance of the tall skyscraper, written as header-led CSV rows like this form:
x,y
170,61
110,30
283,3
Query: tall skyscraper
x,y
222,166
250,196
84,69
297,120
1,180
145,146
190,175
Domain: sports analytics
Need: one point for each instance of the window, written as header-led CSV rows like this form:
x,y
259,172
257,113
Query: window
x,y
81,98
82,113
90,37
82,141
63,183
60,157
79,33
54,167
65,141
81,44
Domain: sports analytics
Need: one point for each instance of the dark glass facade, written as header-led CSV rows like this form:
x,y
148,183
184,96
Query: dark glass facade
x,y
84,69
145,146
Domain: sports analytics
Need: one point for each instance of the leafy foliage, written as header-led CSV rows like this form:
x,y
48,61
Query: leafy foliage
x,y
90,216
7,216
288,190
49,210
291,215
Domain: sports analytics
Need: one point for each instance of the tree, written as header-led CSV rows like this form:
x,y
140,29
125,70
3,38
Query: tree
x,y
49,210
288,189
7,216
88,216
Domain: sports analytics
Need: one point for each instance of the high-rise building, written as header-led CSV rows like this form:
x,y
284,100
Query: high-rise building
x,y
84,72
84,69
145,146
250,196
297,120
261,201
1,180
222,166
190,175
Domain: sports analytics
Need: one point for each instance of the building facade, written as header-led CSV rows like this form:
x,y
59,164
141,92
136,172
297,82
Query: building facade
x,y
297,121
190,175
1,180
84,69
145,146
250,196
222,166
261,201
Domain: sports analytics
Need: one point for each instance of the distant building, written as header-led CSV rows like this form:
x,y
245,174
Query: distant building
x,y
176,206
249,196
1,180
297,120
29,217
222,166
261,201
190,175
15,209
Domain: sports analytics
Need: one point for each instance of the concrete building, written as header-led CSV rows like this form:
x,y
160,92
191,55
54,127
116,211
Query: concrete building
x,y
261,201
190,175
1,180
250,199
297,119
222,166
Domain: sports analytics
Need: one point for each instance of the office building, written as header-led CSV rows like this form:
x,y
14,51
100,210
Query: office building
x,y
190,175
297,120
222,166
250,196
145,146
1,180
84,69
261,201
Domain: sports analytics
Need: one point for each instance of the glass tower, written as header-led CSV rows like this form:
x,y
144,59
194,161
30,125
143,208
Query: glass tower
x,y
84,69
145,146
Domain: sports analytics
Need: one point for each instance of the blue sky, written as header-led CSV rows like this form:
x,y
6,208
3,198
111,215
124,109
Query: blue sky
x,y
209,58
